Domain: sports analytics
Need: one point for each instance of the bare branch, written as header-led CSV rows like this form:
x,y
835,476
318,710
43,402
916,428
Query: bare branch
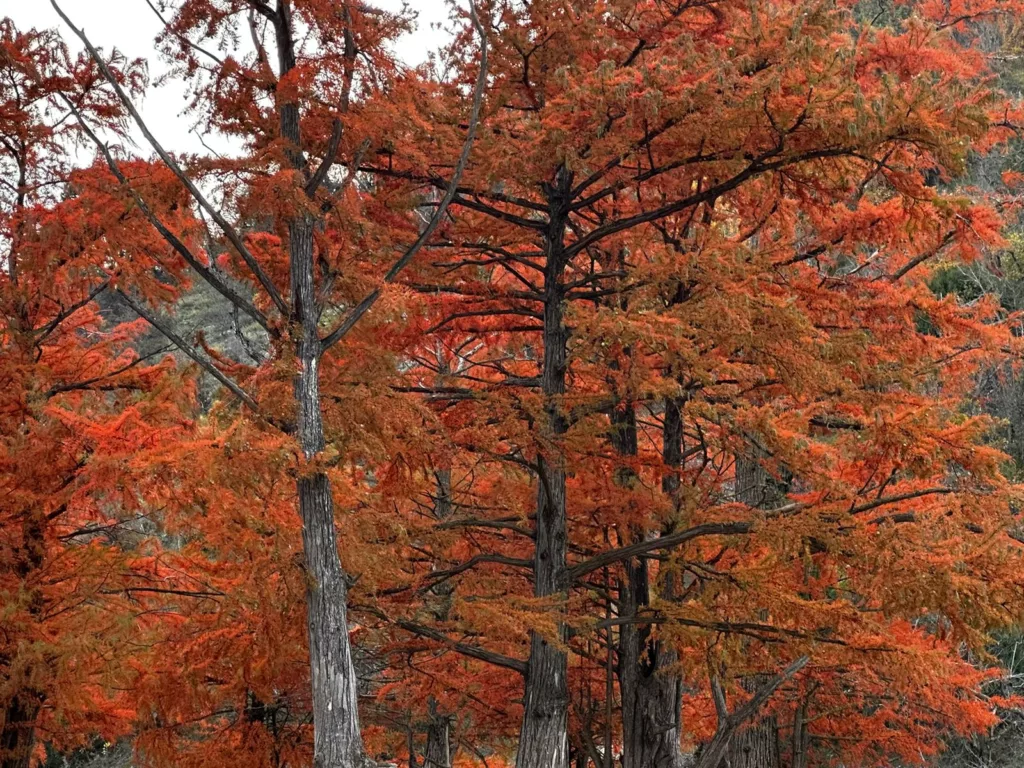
x,y
189,350
711,756
613,556
435,577
89,383
917,260
937,491
757,167
64,314
182,38
172,164
732,528
206,273
472,651
478,96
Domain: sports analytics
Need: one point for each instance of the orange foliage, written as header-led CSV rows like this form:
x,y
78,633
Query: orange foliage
x,y
729,208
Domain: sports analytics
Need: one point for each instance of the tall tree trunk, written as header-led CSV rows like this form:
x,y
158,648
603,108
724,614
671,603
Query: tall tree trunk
x,y
755,745
17,731
543,738
438,749
438,753
651,691
337,742
17,728
442,592
672,446
799,740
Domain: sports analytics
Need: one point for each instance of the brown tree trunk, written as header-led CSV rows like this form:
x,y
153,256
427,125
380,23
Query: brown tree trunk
x,y
543,738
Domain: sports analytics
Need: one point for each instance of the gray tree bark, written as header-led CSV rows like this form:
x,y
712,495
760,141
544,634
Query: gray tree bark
x,y
651,691
756,745
438,753
543,737
337,738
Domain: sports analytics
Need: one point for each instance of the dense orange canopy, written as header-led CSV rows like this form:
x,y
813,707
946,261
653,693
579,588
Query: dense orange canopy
x,y
690,245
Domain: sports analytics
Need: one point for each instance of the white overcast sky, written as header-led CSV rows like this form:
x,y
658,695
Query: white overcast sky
x,y
131,26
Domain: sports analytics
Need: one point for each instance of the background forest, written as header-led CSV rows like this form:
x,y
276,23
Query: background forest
x,y
636,384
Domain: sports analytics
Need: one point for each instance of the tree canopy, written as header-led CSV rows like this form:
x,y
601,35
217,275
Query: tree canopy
x,y
610,389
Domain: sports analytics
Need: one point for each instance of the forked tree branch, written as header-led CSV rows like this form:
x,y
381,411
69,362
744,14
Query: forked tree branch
x,y
364,306
429,633
193,353
171,163
183,38
612,556
756,168
65,313
711,756
728,528
190,258
76,386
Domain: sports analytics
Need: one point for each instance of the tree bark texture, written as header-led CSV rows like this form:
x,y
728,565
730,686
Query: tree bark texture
x,y
17,730
438,753
337,740
19,712
543,738
651,692
756,745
